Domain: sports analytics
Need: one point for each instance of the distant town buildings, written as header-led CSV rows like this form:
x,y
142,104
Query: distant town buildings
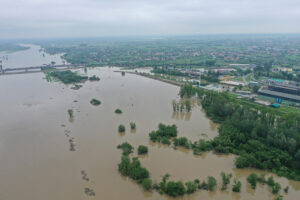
x,y
243,66
281,89
222,70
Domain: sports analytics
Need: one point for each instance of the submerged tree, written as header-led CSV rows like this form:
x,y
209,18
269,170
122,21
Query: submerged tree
x,y
121,128
236,185
188,106
225,180
211,183
252,180
142,149
70,112
132,125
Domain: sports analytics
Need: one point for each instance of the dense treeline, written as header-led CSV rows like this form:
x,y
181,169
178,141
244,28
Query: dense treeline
x,y
168,71
262,139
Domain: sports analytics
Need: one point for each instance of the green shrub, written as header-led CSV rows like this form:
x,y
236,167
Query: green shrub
x,y
163,134
95,102
70,112
252,180
121,128
286,189
132,125
262,179
175,189
236,185
126,148
165,140
182,141
133,168
94,78
211,183
203,186
201,145
279,198
147,184
118,111
142,149
275,188
225,180
191,187
136,171
271,181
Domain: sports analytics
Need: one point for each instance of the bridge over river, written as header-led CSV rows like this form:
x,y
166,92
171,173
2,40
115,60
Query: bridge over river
x,y
34,69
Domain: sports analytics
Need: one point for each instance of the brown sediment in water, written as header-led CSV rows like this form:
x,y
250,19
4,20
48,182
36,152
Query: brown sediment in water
x,y
36,162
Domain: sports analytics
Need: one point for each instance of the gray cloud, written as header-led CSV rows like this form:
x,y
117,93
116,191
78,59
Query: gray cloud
x,y
80,18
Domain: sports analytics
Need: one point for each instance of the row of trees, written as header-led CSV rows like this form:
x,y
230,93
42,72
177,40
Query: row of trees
x,y
253,179
182,105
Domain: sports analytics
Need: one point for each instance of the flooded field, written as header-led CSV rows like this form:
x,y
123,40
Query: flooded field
x,y
45,155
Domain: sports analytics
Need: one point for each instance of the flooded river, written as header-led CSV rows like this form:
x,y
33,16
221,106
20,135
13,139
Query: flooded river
x,y
38,163
34,56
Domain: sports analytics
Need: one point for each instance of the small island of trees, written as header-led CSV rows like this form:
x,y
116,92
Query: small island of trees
x,y
67,76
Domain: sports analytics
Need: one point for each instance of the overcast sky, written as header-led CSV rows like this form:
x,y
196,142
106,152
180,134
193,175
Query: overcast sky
x,y
82,18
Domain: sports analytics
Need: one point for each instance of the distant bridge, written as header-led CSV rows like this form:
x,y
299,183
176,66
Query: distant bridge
x,y
34,69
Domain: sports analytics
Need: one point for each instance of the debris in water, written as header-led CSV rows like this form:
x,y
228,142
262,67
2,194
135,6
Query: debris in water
x,y
89,192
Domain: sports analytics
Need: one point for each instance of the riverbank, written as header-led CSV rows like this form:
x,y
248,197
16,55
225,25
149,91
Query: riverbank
x,y
154,77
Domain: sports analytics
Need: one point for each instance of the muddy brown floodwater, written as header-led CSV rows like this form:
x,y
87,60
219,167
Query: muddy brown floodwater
x,y
46,156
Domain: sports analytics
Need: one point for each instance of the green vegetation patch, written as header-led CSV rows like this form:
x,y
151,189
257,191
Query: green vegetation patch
x,y
94,78
67,76
126,148
118,111
70,112
164,133
132,125
142,149
95,102
133,169
121,128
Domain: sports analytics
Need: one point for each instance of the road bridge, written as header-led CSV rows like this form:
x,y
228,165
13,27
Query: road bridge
x,y
34,69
